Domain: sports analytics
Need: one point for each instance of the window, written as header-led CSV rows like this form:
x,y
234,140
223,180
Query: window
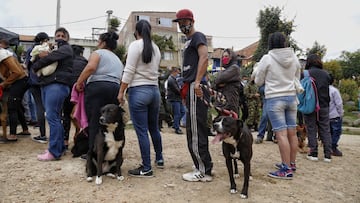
x,y
167,56
166,22
138,18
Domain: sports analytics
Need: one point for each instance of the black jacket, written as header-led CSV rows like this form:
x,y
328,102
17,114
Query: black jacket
x,y
322,81
64,56
228,82
79,64
173,90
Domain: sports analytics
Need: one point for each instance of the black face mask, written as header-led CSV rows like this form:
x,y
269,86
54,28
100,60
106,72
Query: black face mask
x,y
186,28
60,42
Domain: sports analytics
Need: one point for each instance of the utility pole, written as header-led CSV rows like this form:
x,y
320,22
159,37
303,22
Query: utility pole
x,y
109,12
58,14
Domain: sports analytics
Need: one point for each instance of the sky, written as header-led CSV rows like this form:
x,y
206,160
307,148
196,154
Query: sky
x,y
232,23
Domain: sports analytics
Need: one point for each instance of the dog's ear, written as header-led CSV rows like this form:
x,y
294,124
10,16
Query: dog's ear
x,y
240,123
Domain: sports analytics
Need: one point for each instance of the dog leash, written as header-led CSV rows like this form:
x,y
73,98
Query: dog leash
x,y
220,98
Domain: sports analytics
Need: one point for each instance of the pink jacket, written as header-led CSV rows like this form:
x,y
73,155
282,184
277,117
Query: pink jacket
x,y
79,113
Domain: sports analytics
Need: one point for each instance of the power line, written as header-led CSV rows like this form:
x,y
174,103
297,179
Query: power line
x,y
122,23
48,25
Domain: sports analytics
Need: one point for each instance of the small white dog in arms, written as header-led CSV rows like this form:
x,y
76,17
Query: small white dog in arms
x,y
47,70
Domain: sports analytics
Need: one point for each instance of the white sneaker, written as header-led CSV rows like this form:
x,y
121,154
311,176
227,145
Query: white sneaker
x,y
327,160
196,176
312,158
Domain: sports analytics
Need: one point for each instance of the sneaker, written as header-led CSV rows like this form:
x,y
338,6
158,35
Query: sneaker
x,y
196,176
312,156
283,173
83,157
159,163
40,139
336,152
47,156
179,131
139,172
327,158
258,140
292,166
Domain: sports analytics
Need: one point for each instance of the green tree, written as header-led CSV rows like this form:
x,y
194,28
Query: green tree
x,y
120,51
317,49
350,62
114,23
269,21
164,43
334,68
348,89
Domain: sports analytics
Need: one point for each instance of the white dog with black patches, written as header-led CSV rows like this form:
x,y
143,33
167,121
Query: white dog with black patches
x,y
106,156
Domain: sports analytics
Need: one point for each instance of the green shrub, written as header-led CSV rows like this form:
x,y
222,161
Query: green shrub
x,y
348,89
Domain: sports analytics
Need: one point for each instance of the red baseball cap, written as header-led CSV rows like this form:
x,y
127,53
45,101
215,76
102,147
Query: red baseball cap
x,y
184,14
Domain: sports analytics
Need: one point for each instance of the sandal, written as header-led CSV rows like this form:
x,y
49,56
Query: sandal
x,y
11,138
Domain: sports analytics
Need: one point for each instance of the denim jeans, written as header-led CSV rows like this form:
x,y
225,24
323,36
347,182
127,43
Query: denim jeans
x,y
335,131
53,96
144,106
178,111
40,111
282,112
263,121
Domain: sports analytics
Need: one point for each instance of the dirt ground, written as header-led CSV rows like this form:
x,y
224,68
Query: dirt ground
x,y
24,179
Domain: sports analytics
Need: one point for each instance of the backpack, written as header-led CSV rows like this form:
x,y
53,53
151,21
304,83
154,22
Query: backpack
x,y
308,99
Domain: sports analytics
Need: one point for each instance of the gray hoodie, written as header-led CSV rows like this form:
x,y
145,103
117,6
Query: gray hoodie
x,y
278,70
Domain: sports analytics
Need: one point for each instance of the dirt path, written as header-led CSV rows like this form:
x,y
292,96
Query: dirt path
x,y
24,179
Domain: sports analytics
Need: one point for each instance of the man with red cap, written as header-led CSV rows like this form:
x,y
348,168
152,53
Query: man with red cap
x,y
194,68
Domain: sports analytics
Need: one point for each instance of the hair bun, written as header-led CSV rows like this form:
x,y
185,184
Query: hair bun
x,y
114,36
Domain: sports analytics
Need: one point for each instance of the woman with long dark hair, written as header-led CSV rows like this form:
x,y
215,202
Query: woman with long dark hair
x,y
100,79
141,78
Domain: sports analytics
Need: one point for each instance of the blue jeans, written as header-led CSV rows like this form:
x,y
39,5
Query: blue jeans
x,y
144,106
282,112
178,111
263,121
53,96
335,131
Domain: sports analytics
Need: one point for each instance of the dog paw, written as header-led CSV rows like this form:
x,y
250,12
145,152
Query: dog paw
x,y
89,179
233,191
98,180
242,196
120,178
236,175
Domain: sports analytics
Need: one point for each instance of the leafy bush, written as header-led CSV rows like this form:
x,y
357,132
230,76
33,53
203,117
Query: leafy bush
x,y
348,89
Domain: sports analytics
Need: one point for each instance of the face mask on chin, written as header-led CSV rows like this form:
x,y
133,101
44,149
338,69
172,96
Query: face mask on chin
x,y
186,28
